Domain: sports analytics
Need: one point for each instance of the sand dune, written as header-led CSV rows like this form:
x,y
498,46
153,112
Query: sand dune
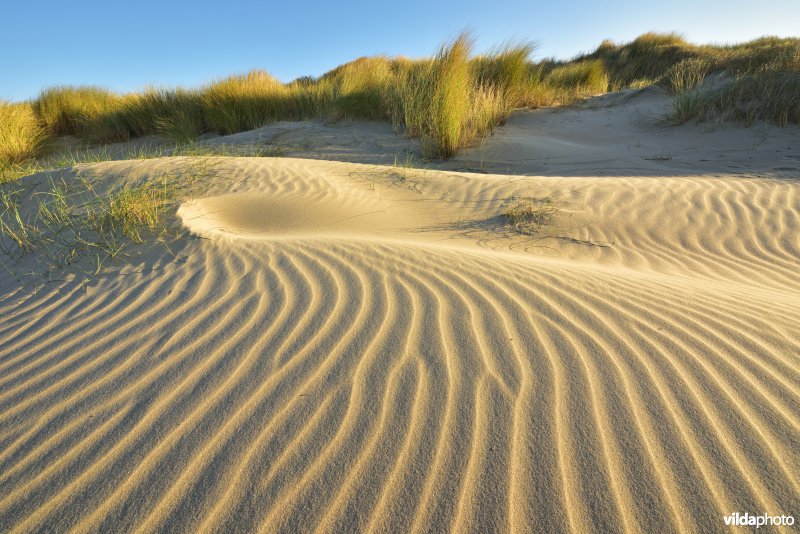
x,y
356,347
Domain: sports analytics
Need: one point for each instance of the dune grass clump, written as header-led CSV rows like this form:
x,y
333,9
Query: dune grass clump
x,y
769,96
21,133
684,80
766,54
451,100
761,82
508,70
75,110
578,80
358,89
687,75
173,113
246,102
648,57
433,100
757,80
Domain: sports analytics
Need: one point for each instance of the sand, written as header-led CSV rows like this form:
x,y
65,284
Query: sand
x,y
349,346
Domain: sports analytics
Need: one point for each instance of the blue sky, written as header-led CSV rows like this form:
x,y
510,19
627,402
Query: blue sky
x,y
127,45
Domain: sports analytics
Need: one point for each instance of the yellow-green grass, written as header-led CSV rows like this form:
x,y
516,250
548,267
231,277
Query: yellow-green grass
x,y
447,101
577,80
76,110
83,222
767,96
652,56
21,133
433,99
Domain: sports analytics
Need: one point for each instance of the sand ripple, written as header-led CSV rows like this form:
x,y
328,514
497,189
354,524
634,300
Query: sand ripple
x,y
323,378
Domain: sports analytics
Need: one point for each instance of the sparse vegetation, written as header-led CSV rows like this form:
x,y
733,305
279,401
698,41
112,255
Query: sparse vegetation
x,y
85,221
527,215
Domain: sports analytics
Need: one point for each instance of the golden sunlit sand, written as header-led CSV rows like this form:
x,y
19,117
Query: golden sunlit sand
x,y
345,346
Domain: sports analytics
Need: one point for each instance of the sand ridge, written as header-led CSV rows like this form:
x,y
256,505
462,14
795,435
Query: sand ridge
x,y
360,347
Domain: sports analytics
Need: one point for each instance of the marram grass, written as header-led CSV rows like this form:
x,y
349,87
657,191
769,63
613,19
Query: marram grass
x,y
447,101
21,133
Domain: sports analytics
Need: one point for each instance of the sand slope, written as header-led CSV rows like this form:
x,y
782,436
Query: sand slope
x,y
354,347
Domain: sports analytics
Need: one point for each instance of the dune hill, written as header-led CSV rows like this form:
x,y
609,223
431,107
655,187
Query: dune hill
x,y
347,346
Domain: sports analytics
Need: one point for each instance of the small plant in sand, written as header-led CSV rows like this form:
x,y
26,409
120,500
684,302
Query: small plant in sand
x,y
130,211
15,233
527,215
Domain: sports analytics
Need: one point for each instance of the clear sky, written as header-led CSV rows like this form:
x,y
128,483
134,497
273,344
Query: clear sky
x,y
127,44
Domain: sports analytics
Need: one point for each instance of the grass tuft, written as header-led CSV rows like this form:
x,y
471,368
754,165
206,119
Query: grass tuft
x,y
21,134
528,215
687,75
131,210
246,102
432,101
580,79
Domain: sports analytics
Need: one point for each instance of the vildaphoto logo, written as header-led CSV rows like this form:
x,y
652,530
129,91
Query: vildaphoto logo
x,y
746,519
